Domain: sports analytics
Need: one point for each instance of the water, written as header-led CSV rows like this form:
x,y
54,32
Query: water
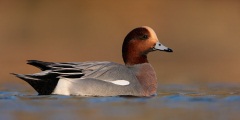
x,y
173,102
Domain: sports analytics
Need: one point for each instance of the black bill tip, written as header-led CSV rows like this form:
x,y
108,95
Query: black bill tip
x,y
168,50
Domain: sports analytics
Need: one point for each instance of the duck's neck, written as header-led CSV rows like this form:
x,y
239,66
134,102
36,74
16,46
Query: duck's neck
x,y
133,57
132,53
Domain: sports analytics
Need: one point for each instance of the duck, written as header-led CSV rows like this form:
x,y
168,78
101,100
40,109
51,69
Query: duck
x,y
136,77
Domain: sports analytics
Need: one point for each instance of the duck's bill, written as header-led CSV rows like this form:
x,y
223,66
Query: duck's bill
x,y
161,47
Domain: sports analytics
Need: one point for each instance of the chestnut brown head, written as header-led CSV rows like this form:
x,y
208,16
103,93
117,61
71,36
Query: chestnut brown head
x,y
138,43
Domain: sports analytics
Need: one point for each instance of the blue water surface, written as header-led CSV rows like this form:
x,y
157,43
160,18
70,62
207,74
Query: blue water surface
x,y
174,102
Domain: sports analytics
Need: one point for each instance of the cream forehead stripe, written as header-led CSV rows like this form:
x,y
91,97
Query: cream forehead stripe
x,y
152,32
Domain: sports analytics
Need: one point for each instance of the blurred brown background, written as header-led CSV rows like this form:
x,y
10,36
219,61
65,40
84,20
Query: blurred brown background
x,y
204,34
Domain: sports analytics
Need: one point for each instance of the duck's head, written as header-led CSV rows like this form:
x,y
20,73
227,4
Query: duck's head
x,y
138,43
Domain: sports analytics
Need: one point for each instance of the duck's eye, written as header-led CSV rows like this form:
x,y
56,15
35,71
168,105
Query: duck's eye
x,y
145,37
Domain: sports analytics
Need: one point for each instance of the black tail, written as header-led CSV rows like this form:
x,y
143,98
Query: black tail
x,y
45,82
43,87
40,64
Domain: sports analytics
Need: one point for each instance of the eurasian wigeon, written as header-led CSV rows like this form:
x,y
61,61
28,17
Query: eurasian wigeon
x,y
136,78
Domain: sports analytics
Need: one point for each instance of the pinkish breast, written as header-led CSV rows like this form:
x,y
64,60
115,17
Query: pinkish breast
x,y
147,78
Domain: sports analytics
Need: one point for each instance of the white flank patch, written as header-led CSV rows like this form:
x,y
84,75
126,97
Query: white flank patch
x,y
120,82
62,87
